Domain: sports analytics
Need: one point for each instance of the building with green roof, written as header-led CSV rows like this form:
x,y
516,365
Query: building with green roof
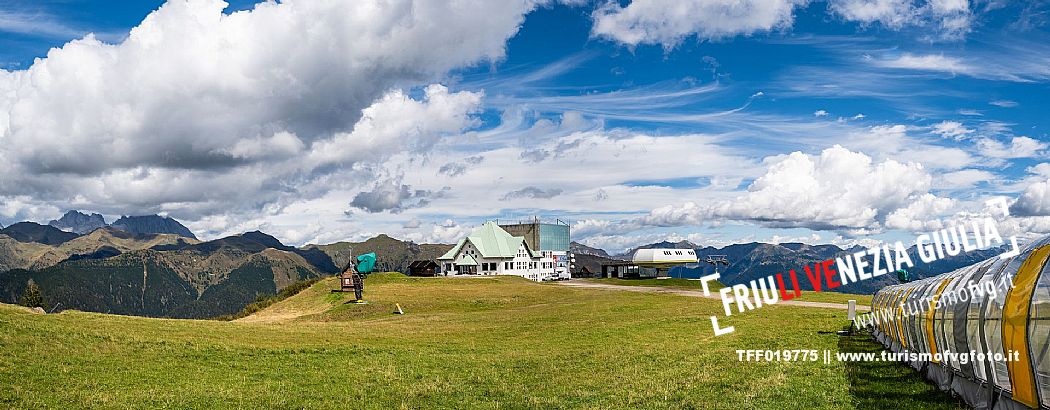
x,y
490,250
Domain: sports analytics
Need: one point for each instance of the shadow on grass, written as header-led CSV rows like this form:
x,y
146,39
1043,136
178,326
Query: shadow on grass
x,y
889,385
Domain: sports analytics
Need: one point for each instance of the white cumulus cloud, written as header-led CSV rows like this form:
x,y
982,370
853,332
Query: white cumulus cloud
x,y
1042,169
839,189
198,111
951,19
669,22
1034,201
921,214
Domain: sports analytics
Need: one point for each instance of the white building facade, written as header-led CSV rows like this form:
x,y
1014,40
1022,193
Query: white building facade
x,y
550,239
490,250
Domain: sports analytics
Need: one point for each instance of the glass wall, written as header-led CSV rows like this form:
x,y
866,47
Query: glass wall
x,y
554,237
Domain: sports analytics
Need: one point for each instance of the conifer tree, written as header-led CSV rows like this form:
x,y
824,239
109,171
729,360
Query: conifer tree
x,y
32,297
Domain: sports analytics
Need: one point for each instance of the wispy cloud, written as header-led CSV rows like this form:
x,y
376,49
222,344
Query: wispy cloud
x,y
47,26
1012,60
36,24
907,91
928,62
1018,147
951,129
532,192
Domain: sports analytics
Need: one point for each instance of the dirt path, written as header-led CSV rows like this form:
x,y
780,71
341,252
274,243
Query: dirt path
x,y
700,294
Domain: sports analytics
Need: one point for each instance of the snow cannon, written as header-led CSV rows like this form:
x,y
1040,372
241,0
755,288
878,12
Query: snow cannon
x,y
366,263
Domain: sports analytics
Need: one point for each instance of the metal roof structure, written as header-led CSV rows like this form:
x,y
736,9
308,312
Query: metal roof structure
x,y
491,242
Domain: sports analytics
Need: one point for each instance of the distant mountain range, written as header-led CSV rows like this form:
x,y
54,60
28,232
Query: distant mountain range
x,y
757,260
580,249
81,223
588,261
114,270
163,275
393,255
154,266
21,252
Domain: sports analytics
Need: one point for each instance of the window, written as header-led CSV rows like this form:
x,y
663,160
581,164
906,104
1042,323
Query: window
x,y
962,325
950,321
973,323
1038,331
993,313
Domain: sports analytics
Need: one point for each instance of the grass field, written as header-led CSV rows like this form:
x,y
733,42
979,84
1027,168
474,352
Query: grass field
x,y
489,343
677,283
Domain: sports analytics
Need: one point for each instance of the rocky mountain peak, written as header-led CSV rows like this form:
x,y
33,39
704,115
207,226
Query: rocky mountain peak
x,y
78,222
152,224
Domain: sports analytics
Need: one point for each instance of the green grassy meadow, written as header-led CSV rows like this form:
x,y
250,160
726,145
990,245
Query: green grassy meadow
x,y
686,284
489,343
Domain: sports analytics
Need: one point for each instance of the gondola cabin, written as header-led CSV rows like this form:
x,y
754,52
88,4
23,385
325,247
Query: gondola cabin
x,y
664,258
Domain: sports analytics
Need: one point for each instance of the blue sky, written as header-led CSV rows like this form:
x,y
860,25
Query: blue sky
x,y
724,121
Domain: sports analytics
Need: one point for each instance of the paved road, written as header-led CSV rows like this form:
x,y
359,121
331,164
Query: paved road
x,y
700,294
